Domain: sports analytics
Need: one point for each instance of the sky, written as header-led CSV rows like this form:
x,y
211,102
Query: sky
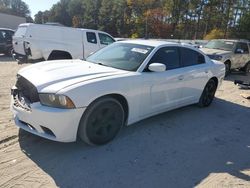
x,y
39,5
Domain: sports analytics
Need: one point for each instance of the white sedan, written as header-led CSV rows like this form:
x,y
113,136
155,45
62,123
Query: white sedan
x,y
118,85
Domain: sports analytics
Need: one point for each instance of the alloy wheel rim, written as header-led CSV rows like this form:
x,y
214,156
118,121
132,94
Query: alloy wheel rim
x,y
104,123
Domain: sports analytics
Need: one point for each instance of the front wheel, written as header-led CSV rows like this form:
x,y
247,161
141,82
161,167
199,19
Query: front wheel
x,y
227,68
208,93
247,68
102,121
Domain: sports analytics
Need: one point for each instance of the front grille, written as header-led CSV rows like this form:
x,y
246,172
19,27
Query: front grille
x,y
27,89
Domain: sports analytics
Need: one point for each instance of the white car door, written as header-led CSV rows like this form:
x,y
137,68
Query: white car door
x,y
195,75
90,43
162,90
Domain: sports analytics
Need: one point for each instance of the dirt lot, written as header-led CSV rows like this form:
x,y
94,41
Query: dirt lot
x,y
188,147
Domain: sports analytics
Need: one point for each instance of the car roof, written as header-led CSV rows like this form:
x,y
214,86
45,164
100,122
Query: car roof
x,y
151,42
233,40
59,26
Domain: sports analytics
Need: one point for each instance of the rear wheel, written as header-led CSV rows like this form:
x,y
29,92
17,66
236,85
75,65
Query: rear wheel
x,y
227,68
102,121
208,93
9,52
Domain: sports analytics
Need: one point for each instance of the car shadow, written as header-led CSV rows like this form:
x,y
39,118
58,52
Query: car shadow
x,y
180,148
238,75
4,58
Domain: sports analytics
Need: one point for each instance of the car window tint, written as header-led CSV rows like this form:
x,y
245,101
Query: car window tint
x,y
243,46
1,36
105,39
7,35
191,57
91,37
168,56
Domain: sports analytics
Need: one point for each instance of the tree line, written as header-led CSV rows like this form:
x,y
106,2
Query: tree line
x,y
183,19
15,7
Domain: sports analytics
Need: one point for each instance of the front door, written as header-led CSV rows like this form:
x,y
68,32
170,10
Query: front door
x,y
163,90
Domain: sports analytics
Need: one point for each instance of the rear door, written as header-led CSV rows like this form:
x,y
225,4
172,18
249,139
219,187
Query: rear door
x,y
90,43
163,89
195,73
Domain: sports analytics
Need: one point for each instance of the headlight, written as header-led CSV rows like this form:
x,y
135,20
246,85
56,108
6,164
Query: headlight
x,y
57,101
216,57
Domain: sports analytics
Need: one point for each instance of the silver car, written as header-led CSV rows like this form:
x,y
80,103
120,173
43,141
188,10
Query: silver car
x,y
233,53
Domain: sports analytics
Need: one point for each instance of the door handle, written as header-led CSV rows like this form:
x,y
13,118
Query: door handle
x,y
181,77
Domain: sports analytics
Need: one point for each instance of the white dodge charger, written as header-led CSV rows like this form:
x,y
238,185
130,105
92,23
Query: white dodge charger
x,y
118,85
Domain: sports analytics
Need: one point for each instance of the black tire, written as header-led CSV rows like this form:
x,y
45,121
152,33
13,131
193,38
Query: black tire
x,y
247,68
227,68
101,122
208,93
9,52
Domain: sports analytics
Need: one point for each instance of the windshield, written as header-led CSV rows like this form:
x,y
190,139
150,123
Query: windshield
x,y
123,56
221,45
20,31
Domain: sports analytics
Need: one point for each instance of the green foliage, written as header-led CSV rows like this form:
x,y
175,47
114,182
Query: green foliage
x,y
243,29
15,7
182,19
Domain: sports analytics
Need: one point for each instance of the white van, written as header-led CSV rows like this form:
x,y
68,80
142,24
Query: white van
x,y
49,42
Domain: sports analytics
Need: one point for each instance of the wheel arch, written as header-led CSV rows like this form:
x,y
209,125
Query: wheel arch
x,y
120,98
59,52
228,61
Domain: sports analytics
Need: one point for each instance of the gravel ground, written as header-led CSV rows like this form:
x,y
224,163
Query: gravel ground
x,y
191,146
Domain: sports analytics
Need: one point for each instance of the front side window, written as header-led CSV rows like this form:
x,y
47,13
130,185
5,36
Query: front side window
x,y
91,37
242,46
191,57
168,56
105,39
123,56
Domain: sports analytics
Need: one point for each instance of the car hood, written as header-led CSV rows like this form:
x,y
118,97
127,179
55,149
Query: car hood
x,y
52,76
210,51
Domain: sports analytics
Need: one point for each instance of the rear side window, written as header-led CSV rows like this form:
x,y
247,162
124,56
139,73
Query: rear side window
x,y
191,57
91,37
105,39
168,56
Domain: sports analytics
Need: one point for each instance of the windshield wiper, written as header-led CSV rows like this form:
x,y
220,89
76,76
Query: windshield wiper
x,y
102,64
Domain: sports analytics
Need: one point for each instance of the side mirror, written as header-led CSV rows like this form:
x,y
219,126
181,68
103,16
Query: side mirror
x,y
157,67
239,51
